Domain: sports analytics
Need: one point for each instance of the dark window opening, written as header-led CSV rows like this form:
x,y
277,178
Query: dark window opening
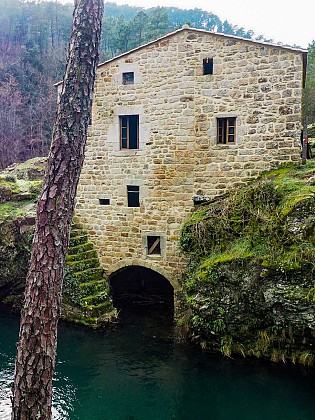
x,y
133,195
226,130
208,65
104,201
128,78
154,245
129,131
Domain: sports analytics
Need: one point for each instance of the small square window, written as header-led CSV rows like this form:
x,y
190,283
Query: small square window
x,y
226,130
128,78
129,131
208,65
154,245
133,196
104,201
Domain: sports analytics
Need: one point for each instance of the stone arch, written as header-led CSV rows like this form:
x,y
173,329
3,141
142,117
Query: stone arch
x,y
146,264
134,285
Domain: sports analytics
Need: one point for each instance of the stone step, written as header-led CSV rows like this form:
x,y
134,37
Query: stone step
x,y
92,287
100,309
78,266
78,240
89,275
97,298
76,232
81,256
76,224
80,248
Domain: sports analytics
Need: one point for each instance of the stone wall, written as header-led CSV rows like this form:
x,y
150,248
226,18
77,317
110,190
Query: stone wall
x,y
178,155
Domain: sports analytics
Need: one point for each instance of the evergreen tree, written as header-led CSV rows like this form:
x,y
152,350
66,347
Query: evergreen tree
x,y
309,91
139,29
35,361
158,23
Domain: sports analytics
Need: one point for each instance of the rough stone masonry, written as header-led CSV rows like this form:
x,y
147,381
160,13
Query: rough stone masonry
x,y
177,157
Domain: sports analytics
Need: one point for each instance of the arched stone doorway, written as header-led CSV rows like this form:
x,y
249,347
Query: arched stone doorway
x,y
140,286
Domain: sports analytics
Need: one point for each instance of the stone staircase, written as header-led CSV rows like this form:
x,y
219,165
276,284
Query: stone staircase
x,y
86,298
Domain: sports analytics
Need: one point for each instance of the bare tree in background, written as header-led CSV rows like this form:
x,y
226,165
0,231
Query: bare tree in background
x,y
35,361
10,121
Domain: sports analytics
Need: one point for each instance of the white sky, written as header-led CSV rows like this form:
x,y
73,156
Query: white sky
x,y
287,21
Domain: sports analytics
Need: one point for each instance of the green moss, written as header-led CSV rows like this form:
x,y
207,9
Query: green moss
x,y
102,321
78,240
88,275
83,255
254,218
19,191
8,183
75,223
250,252
84,264
35,187
280,172
13,210
36,162
82,248
93,287
97,297
87,322
84,286
10,178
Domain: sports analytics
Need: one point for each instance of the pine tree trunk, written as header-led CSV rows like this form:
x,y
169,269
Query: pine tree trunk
x,y
35,361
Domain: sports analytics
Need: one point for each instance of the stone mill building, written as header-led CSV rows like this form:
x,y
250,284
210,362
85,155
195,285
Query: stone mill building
x,y
175,122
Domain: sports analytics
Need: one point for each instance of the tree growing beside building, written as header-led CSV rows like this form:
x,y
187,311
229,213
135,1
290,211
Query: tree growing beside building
x,y
309,91
35,361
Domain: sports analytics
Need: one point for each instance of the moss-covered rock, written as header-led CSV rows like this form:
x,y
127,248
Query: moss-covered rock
x,y
21,183
250,281
86,299
15,239
18,195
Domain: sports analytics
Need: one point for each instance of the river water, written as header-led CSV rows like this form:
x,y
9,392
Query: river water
x,y
138,372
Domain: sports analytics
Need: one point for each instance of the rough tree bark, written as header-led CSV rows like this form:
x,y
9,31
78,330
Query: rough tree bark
x,y
35,361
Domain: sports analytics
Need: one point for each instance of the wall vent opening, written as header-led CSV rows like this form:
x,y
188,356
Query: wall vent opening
x,y
104,201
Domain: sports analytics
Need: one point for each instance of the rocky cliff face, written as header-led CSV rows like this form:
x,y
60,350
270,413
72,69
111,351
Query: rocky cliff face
x,y
14,253
19,187
86,297
250,282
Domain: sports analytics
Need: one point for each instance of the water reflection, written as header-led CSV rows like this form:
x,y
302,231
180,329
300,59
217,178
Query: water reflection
x,y
138,372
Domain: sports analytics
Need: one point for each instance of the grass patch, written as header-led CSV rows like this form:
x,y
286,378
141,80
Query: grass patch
x,y
249,281
12,210
257,220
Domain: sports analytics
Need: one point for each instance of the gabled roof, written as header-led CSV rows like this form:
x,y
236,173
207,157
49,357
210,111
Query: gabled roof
x,y
219,35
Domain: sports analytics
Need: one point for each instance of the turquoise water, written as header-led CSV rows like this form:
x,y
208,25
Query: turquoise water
x,y
138,372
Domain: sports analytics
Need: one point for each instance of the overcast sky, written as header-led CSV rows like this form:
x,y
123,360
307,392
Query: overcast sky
x,y
287,21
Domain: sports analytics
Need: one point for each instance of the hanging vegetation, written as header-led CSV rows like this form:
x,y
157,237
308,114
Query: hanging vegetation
x,y
250,281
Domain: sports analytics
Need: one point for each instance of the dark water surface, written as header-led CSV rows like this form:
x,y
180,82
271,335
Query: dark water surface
x,y
138,372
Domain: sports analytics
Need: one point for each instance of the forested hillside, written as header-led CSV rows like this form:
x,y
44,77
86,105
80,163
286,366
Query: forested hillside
x,y
33,43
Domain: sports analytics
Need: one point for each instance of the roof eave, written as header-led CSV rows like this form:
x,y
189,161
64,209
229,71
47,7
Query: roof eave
x,y
238,38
